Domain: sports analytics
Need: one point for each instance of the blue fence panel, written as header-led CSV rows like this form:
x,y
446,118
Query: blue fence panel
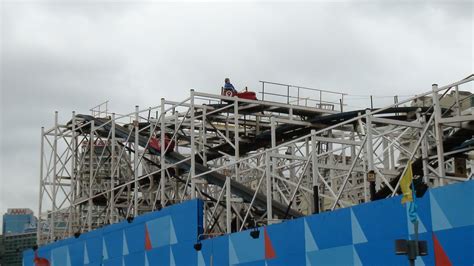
x,y
361,235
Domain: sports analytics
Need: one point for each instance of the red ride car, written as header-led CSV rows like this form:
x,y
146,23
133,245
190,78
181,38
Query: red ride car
x,y
249,95
155,143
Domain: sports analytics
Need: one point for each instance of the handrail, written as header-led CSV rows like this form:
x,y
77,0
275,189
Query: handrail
x,y
301,87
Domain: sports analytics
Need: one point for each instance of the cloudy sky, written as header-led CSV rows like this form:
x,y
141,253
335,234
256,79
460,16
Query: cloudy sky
x,y
73,55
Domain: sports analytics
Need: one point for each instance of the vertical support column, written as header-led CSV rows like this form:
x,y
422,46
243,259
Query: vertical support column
x,y
342,103
226,124
176,147
306,146
273,132
91,175
330,150
370,148
113,171
41,183
274,159
424,148
291,151
386,157
73,175
135,163
228,206
370,153
236,169
392,157
288,94
458,105
315,171
55,173
257,124
307,152
152,128
176,125
343,154
268,181
204,138
439,134
192,172
162,154
352,137
298,97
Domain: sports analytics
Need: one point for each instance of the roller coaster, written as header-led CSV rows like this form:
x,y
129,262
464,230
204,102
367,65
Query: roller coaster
x,y
252,162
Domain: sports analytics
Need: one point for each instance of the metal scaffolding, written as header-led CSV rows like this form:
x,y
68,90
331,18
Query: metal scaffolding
x,y
251,162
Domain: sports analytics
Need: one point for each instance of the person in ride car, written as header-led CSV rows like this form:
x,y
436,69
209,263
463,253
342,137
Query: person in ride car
x,y
229,86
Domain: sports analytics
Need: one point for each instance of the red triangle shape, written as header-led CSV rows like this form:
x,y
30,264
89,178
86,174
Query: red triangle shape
x,y
441,259
40,261
269,251
147,239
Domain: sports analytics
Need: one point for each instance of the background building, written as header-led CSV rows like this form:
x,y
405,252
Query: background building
x,y
14,245
1,250
17,221
19,233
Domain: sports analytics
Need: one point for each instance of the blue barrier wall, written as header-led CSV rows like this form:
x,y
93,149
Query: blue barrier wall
x,y
361,235
158,238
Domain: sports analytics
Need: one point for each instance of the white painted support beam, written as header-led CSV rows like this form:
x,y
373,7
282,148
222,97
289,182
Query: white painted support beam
x,y
387,121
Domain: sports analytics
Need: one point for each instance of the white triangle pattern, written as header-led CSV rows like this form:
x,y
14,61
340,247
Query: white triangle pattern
x,y
86,254
438,218
308,262
68,258
356,257
173,239
201,261
310,243
146,260
233,259
419,261
411,230
421,226
172,261
125,245
105,255
358,235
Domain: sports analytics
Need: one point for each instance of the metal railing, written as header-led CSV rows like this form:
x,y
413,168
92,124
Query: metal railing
x,y
297,95
100,109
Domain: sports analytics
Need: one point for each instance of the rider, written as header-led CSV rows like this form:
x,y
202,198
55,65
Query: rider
x,y
229,86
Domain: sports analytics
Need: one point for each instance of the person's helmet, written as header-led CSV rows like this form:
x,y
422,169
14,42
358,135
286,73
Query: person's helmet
x,y
227,80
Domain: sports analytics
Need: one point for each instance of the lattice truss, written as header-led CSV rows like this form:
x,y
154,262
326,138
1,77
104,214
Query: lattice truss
x,y
252,162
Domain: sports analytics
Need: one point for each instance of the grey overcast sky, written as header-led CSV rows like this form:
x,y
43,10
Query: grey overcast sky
x,y
72,55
